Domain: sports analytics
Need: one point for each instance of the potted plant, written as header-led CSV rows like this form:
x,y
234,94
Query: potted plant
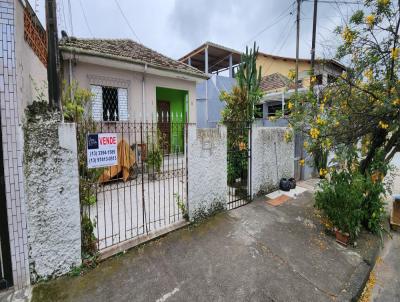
x,y
341,199
154,161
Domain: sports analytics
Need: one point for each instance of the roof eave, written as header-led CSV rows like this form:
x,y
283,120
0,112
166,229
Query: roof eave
x,y
67,50
203,46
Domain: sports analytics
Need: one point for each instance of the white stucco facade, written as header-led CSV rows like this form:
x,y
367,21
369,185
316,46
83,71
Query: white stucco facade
x,y
207,170
141,85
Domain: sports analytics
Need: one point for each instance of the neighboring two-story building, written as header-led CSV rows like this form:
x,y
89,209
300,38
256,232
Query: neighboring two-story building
x,y
278,88
221,63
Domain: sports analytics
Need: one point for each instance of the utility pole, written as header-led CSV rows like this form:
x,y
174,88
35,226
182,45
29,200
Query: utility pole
x,y
297,80
53,57
314,33
297,44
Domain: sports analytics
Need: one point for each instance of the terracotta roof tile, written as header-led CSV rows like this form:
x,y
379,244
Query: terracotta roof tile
x,y
275,81
125,49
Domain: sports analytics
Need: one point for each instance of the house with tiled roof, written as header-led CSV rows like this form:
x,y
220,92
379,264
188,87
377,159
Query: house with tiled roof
x,y
278,88
129,81
221,62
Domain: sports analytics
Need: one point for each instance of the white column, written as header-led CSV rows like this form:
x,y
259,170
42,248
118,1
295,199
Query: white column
x,y
230,66
206,71
283,104
206,60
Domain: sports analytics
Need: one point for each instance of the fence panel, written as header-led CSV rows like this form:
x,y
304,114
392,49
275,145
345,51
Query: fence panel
x,y
146,191
239,163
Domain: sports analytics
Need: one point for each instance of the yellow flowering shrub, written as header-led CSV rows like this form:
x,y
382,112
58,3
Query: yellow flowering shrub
x,y
383,2
323,172
320,121
383,125
395,53
292,75
314,133
370,19
369,74
347,35
288,136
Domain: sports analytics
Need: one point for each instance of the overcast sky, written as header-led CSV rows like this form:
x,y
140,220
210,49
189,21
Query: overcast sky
x,y
174,27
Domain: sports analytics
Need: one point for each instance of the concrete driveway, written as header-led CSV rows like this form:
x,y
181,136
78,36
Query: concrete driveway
x,y
254,253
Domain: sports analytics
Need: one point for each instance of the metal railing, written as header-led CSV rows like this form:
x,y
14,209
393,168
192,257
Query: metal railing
x,y
146,191
239,163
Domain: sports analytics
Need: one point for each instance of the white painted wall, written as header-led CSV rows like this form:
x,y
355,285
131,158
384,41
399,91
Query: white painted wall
x,y
52,191
207,170
30,69
85,74
272,158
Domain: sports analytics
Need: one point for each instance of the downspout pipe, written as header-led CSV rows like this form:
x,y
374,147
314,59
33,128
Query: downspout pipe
x,y
143,93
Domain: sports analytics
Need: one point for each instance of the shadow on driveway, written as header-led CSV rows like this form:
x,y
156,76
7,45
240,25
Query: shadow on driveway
x,y
253,253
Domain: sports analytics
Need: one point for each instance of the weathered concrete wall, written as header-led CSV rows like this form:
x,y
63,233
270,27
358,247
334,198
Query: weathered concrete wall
x,y
207,174
272,158
52,196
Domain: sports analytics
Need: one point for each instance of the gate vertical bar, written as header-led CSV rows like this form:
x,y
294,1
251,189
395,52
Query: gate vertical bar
x,y
249,147
143,199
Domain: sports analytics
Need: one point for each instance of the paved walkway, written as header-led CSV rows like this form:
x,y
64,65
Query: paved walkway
x,y
387,272
253,253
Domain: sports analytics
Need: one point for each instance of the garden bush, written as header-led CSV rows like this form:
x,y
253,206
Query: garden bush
x,y
351,200
341,199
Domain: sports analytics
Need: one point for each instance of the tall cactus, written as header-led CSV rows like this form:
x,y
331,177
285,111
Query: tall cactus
x,y
249,79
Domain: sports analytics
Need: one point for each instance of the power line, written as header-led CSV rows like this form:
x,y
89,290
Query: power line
x,y
264,29
277,20
63,15
70,17
86,20
126,20
336,2
284,41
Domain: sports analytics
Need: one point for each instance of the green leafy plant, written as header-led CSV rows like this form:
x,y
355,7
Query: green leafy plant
x,y
240,111
154,159
241,101
341,199
182,206
89,241
74,101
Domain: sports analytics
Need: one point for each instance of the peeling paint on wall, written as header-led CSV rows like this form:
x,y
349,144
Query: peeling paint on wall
x,y
52,196
207,171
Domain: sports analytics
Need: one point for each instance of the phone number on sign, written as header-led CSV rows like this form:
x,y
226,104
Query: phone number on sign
x,y
101,152
103,159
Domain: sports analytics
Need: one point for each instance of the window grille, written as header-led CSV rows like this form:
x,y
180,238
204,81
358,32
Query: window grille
x,y
319,78
109,104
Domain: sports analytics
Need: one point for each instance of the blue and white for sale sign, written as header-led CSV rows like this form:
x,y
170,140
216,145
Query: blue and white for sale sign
x,y
102,150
